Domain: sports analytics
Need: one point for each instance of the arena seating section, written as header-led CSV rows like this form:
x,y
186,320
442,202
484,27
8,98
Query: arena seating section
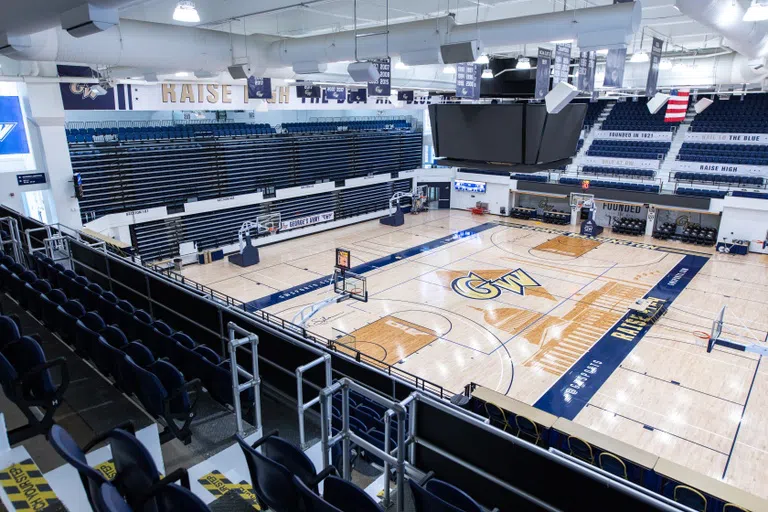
x,y
198,162
628,149
719,179
636,187
753,195
738,114
618,172
747,154
594,109
529,177
701,192
160,239
186,131
634,116
343,126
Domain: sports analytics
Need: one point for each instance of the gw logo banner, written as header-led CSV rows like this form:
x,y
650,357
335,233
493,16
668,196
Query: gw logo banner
x,y
472,286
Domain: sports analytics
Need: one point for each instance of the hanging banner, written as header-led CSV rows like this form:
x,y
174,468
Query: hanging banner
x,y
468,80
653,71
583,71
259,88
614,67
606,212
306,221
13,135
336,93
360,95
406,96
562,65
628,135
543,68
308,91
591,71
736,169
382,86
727,138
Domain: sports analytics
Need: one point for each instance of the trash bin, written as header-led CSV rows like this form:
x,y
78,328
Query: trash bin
x,y
177,264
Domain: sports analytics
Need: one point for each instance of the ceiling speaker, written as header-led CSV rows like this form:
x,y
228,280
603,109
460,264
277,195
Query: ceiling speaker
x,y
455,53
238,71
559,97
702,105
87,19
659,100
363,72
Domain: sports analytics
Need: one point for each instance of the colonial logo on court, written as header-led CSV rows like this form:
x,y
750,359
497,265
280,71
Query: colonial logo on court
x,y
473,286
6,129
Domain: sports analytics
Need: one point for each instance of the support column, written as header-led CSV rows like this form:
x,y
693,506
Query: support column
x,y
45,112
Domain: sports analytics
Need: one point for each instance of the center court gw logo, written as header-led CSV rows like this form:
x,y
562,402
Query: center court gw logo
x,y
6,129
472,286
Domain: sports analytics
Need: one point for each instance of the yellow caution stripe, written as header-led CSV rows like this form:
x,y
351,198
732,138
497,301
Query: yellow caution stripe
x,y
26,487
218,485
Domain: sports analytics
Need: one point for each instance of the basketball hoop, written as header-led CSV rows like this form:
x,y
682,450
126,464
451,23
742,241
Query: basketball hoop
x,y
702,335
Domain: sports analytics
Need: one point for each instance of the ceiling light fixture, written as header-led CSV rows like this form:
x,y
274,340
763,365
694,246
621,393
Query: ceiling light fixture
x,y
562,41
758,11
665,64
483,60
449,70
639,57
186,13
487,73
182,74
604,51
401,65
523,63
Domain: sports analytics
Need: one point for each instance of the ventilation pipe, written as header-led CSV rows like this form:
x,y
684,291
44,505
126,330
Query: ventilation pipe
x,y
152,46
725,17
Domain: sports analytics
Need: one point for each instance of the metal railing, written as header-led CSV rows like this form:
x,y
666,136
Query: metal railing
x,y
254,378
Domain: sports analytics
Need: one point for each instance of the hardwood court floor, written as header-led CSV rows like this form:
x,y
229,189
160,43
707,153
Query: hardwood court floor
x,y
511,300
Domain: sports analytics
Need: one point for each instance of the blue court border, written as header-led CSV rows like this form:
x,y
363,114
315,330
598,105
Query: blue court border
x,y
575,388
316,284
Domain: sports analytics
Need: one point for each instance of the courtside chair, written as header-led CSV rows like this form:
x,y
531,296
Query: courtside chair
x,y
690,497
497,415
580,449
612,464
527,429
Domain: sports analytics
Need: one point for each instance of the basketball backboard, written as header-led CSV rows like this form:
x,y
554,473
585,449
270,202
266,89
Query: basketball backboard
x,y
349,283
579,200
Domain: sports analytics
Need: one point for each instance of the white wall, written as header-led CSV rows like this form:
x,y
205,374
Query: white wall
x,y
745,219
497,195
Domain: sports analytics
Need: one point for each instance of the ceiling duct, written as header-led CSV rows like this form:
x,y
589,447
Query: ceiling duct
x,y
725,17
154,46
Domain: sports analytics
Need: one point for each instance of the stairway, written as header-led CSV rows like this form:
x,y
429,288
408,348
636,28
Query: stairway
x,y
668,165
571,169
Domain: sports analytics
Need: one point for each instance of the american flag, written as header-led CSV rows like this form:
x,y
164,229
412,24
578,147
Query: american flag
x,y
676,106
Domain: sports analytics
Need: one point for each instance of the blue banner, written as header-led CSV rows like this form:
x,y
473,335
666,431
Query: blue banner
x,y
82,97
542,73
308,91
358,96
382,86
468,80
13,135
259,88
571,393
406,96
336,93
562,66
653,71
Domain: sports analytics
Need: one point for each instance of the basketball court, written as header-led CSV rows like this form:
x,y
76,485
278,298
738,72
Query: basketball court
x,y
545,316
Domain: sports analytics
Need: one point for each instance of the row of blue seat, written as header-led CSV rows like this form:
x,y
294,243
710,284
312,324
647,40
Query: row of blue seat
x,y
618,171
100,327
320,126
701,192
738,114
529,177
719,178
637,187
164,134
753,195
635,116
722,159
640,155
